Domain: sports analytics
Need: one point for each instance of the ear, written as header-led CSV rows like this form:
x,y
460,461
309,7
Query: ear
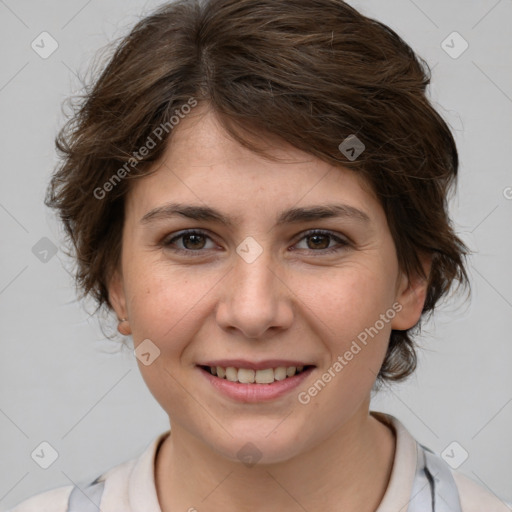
x,y
411,295
116,295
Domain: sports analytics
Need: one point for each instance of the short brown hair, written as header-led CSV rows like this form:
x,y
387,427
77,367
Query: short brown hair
x,y
310,73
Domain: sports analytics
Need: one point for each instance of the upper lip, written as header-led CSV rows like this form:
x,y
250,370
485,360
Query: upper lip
x,y
250,365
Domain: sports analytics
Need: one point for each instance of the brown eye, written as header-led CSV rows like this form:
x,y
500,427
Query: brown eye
x,y
193,241
319,241
188,242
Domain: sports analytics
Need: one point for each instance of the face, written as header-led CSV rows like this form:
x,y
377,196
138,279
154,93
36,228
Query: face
x,y
251,275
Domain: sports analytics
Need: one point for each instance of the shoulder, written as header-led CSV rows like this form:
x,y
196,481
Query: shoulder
x,y
127,486
475,498
57,500
410,466
54,500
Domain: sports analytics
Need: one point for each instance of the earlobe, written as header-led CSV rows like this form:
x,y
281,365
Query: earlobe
x,y
116,295
411,295
117,301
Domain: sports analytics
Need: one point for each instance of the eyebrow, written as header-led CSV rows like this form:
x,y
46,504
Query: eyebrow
x,y
293,215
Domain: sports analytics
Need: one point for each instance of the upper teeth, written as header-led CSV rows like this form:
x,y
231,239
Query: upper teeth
x,y
247,376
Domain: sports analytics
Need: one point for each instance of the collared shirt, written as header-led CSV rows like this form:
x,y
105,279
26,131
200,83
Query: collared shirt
x,y
130,486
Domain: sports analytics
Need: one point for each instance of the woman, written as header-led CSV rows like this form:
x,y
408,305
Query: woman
x,y
257,189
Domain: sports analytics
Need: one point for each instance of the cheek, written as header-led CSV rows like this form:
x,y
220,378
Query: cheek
x,y
166,303
164,307
354,299
356,313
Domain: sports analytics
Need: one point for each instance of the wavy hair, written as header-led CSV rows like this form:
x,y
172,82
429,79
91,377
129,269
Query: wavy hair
x,y
310,73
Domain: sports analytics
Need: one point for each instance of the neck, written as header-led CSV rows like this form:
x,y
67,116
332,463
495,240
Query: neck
x,y
348,471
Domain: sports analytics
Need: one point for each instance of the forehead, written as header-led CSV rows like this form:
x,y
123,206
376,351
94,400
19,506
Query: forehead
x,y
203,164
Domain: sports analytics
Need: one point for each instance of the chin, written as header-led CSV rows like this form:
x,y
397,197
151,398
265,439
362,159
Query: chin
x,y
254,446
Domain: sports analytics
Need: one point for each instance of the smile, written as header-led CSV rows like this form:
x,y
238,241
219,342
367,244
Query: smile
x,y
265,381
250,376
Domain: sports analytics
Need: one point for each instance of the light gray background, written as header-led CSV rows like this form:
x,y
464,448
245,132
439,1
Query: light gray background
x,y
57,382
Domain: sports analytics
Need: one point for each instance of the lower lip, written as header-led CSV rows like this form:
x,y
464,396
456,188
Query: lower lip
x,y
251,393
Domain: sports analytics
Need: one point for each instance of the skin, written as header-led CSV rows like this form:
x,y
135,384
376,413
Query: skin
x,y
295,301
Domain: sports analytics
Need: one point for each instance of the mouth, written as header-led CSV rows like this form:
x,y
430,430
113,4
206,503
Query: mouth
x,y
245,375
247,382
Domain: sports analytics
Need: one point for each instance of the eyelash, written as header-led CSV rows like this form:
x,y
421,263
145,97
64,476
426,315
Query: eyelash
x,y
167,243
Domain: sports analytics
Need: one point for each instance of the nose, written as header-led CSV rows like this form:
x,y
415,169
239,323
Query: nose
x,y
255,299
